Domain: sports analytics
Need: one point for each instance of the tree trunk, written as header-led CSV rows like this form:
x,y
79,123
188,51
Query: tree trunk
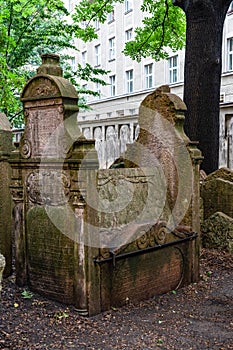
x,y
202,75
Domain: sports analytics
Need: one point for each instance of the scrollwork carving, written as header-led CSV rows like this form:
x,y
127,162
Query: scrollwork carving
x,y
151,236
26,148
48,187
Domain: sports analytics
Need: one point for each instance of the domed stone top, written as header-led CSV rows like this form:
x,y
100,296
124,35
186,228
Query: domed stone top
x,y
48,83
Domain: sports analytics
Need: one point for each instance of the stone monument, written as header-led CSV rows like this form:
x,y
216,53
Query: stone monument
x,y
99,238
44,181
217,196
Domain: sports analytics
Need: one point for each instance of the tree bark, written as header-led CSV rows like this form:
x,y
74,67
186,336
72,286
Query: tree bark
x,y
202,74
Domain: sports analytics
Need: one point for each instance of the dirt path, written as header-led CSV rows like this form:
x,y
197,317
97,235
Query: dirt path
x,y
199,316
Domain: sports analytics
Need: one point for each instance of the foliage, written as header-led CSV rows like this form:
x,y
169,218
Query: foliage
x,y
88,74
26,294
163,26
59,315
87,12
29,28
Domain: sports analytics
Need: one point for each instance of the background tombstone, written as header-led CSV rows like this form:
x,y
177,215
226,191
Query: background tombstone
x,y
5,197
217,196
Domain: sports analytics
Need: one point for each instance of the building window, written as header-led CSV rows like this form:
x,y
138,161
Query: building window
x,y
149,76
129,80
112,82
173,69
128,5
97,24
230,54
112,49
128,34
84,58
111,16
97,55
98,90
73,63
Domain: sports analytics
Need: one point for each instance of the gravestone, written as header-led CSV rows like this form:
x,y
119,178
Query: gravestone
x,y
217,193
217,232
97,238
44,186
217,196
5,197
150,209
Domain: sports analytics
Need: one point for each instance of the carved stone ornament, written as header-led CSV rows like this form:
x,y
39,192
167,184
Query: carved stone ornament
x,y
26,149
116,177
154,235
49,187
16,189
41,87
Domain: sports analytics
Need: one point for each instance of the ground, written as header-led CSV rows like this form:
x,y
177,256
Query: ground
x,y
199,316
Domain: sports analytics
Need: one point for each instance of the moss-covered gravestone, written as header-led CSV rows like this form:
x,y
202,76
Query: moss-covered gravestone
x,y
45,188
217,196
95,238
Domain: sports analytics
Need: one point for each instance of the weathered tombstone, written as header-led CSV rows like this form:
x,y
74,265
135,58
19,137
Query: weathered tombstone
x,y
5,197
95,238
217,192
150,233
217,232
45,186
217,196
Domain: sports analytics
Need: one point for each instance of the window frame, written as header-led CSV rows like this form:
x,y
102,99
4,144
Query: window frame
x,y
112,83
148,71
111,16
97,24
129,81
230,54
97,55
173,69
112,48
127,38
84,58
98,89
128,4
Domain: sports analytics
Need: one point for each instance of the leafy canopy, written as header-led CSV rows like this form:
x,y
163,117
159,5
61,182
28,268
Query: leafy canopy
x,y
29,28
163,26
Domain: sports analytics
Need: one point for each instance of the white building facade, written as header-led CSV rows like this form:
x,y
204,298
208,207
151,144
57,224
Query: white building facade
x,y
112,120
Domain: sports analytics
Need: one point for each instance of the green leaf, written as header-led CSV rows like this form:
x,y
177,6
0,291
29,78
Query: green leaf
x,y
26,294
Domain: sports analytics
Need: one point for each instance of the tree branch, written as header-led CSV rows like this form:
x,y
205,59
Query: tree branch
x,y
154,28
